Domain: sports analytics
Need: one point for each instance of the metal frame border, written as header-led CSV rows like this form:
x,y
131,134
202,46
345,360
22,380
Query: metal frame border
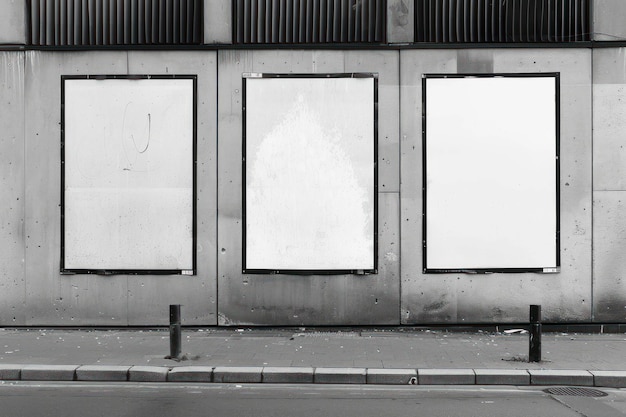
x,y
556,76
245,270
113,271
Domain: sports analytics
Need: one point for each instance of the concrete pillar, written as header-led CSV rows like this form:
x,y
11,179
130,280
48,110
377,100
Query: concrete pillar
x,y
217,21
608,20
400,21
13,27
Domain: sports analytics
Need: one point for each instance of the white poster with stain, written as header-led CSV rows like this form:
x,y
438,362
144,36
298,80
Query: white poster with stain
x,y
310,173
128,174
491,172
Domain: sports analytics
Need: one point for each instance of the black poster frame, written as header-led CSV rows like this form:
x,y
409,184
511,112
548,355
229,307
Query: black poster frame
x,y
114,271
425,268
374,270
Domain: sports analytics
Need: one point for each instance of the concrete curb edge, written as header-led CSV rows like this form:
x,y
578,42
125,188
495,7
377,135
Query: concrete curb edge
x,y
312,375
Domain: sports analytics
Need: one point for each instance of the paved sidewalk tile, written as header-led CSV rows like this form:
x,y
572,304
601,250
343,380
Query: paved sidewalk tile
x,y
340,376
102,373
288,374
391,376
502,377
148,373
302,355
446,376
613,379
48,372
560,377
241,374
190,374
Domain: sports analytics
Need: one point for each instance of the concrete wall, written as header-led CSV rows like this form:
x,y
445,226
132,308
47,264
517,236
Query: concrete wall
x,y
608,20
462,298
609,184
217,21
34,293
13,22
12,239
306,300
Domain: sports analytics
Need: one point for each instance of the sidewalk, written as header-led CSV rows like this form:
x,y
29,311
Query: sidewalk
x,y
313,356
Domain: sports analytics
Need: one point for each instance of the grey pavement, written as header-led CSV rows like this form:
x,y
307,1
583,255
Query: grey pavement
x,y
301,355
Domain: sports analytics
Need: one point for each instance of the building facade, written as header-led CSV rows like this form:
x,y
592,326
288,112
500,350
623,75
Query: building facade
x,y
217,47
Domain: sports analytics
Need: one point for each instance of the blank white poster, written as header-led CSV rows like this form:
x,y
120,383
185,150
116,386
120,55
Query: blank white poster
x,y
309,174
491,172
129,169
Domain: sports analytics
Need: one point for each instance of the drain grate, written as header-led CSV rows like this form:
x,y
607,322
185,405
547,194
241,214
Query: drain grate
x,y
576,391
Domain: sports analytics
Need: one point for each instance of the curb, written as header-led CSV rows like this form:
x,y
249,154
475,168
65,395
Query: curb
x,y
48,372
561,377
310,375
102,373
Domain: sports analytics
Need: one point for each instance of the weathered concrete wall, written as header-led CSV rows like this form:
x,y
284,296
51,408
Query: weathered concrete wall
x,y
608,20
306,300
400,21
34,293
462,298
12,283
12,29
217,21
54,299
609,184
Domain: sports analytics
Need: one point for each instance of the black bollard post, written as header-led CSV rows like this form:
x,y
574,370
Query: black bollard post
x,y
534,351
175,331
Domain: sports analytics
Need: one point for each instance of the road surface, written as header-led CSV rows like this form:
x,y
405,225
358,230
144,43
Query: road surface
x,y
84,399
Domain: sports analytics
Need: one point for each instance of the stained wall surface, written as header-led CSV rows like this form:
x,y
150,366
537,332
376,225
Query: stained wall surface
x,y
589,287
53,299
309,299
12,27
609,184
12,203
608,20
464,298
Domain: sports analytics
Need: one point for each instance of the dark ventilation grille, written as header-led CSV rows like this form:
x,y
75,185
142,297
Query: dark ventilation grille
x,y
502,20
114,22
308,21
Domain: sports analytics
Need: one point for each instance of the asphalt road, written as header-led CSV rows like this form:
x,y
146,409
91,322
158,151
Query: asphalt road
x,y
190,400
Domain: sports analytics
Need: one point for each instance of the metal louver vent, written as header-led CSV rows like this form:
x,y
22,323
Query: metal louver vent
x,y
114,22
502,20
308,21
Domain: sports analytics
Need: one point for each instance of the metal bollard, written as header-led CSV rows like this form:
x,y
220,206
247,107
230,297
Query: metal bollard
x,y
175,335
534,349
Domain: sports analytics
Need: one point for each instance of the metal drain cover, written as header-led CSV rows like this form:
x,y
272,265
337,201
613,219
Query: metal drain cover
x,y
575,391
